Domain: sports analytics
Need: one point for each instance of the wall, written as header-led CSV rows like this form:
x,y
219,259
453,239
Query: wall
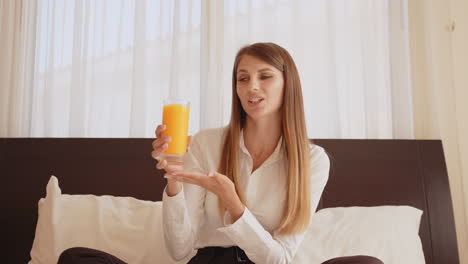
x,y
439,78
459,15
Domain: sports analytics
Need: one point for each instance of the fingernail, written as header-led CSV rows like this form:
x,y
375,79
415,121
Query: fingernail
x,y
211,174
165,145
168,139
164,126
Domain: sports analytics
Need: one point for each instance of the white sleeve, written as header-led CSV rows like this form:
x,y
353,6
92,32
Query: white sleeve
x,y
259,245
183,214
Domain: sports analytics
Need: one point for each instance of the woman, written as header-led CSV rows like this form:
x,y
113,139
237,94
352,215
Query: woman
x,y
246,192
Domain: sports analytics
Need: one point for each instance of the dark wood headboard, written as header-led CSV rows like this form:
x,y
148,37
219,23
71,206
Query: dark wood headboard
x,y
363,173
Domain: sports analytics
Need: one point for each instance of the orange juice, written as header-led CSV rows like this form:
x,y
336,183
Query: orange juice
x,y
176,119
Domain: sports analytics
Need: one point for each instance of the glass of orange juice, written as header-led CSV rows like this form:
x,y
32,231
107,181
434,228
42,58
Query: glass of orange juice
x,y
176,118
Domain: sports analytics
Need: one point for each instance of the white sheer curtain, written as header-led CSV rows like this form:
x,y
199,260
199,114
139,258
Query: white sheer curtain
x,y
352,57
103,67
17,34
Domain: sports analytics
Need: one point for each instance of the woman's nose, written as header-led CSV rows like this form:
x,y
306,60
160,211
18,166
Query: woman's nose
x,y
253,85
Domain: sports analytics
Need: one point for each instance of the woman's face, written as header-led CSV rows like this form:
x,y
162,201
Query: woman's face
x,y
259,87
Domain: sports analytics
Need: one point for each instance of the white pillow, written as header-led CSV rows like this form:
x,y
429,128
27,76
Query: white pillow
x,y
126,227
131,229
389,233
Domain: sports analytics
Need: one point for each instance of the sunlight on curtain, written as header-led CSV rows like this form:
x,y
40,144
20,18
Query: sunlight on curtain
x,y
347,53
103,67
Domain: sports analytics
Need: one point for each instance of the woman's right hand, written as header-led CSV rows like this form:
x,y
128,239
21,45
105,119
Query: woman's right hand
x,y
160,144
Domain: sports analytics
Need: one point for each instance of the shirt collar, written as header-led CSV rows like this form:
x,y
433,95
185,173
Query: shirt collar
x,y
276,155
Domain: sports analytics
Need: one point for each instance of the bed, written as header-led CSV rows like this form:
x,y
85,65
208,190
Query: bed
x,y
363,173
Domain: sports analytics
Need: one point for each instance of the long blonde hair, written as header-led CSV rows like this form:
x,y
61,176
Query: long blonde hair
x,y
296,214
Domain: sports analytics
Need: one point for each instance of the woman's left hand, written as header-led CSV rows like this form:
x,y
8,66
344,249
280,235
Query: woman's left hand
x,y
214,182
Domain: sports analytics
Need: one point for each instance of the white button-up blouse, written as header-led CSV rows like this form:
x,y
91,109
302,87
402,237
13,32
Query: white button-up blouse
x,y
191,218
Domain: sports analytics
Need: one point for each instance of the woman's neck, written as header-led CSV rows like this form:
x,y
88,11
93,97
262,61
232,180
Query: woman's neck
x,y
261,136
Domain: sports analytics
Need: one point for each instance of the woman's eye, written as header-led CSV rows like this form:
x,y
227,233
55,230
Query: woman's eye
x,y
242,79
264,77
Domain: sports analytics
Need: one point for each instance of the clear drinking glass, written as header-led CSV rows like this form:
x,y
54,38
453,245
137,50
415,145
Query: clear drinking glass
x,y
176,114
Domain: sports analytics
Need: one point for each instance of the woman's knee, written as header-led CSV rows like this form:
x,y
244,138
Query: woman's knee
x,y
371,260
354,260
69,255
82,255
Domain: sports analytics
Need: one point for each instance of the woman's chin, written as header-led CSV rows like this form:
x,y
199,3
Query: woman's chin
x,y
258,115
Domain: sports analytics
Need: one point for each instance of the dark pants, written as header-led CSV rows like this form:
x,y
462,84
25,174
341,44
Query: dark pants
x,y
208,255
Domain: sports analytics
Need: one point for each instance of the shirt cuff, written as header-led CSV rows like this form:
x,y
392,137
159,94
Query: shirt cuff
x,y
227,219
178,199
246,222
253,244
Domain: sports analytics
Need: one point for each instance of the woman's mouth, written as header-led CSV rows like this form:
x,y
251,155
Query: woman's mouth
x,y
255,101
